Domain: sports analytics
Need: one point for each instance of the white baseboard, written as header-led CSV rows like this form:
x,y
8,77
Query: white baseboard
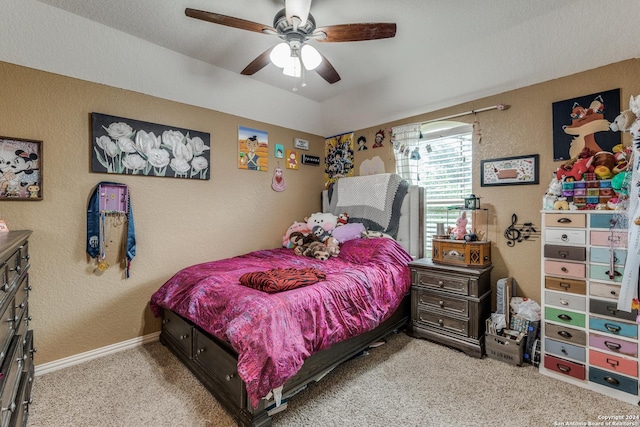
x,y
94,354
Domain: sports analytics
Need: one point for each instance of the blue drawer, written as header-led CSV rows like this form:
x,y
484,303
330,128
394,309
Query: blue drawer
x,y
604,221
614,327
603,255
563,349
615,381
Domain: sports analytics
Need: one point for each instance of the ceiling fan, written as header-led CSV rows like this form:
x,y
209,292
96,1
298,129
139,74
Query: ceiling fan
x,y
295,26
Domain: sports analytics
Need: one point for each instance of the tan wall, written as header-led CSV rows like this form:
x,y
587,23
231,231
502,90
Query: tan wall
x,y
178,221
525,128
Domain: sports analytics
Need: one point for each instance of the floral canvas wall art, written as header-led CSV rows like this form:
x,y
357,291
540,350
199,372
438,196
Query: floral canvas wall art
x,y
133,147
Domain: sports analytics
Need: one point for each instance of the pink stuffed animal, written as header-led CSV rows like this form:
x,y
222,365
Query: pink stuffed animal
x,y
461,227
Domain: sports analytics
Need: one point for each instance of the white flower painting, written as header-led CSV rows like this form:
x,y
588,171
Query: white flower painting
x,y
132,147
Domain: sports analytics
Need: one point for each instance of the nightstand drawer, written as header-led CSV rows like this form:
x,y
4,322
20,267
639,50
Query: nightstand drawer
x,y
445,322
439,301
448,283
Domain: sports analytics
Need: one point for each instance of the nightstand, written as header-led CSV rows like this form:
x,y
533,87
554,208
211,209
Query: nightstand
x,y
450,304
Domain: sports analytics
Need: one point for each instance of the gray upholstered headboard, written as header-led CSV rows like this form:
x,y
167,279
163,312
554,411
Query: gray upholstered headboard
x,y
411,226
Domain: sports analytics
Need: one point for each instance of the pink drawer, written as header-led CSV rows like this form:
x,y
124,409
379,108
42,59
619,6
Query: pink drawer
x,y
566,269
613,344
614,363
605,238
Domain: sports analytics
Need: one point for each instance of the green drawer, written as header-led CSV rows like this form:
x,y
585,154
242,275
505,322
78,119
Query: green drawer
x,y
565,316
601,272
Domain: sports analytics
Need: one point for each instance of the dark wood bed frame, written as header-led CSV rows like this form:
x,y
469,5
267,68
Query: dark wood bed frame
x,y
214,362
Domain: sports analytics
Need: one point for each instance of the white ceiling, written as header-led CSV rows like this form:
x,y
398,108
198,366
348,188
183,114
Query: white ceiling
x,y
445,52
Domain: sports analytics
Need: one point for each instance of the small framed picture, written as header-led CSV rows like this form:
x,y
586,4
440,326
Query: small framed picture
x,y
301,144
20,169
520,170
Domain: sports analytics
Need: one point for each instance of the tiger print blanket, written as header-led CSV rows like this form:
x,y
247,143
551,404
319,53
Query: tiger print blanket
x,y
281,279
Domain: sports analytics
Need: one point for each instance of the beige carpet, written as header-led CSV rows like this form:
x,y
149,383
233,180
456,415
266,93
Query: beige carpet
x,y
406,382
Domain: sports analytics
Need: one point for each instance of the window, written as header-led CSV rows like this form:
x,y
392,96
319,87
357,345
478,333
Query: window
x,y
444,170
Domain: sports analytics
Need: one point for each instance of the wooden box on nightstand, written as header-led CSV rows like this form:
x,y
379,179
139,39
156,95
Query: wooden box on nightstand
x,y
449,304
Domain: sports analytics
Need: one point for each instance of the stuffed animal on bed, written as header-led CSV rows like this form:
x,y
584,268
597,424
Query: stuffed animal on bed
x,y
320,233
325,220
333,246
317,250
300,242
300,227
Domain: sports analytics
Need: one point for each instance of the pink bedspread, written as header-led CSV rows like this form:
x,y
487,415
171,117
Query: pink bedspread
x,y
273,334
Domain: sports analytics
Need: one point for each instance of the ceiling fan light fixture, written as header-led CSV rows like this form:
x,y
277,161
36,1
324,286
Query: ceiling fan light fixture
x,y
311,58
293,67
298,8
280,55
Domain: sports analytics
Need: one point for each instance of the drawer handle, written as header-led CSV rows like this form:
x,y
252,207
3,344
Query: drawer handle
x,y
564,237
563,368
565,285
440,322
441,304
165,321
564,317
229,377
565,334
201,350
564,221
611,309
441,283
612,380
563,254
184,336
614,293
612,362
564,302
614,239
612,275
612,328
11,408
564,350
613,345
564,269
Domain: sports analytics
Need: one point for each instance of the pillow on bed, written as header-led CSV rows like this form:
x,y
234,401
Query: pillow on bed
x,y
349,231
379,249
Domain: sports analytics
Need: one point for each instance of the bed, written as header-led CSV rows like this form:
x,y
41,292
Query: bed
x,y
254,350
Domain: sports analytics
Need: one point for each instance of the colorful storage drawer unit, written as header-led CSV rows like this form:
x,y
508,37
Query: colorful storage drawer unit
x,y
614,363
607,221
566,236
565,367
564,349
617,239
562,300
616,381
610,308
603,255
571,253
604,272
568,269
566,334
565,285
622,329
604,290
613,344
565,316
565,220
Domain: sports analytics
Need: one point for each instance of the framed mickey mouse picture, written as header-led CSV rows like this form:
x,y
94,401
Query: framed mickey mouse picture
x,y
20,169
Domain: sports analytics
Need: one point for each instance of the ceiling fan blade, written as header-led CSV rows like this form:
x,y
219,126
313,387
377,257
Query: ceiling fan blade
x,y
355,32
326,71
229,21
257,64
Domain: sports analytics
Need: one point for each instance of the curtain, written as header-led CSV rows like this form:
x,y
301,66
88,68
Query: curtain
x,y
406,139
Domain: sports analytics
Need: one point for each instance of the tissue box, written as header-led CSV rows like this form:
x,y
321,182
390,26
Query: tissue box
x,y
508,347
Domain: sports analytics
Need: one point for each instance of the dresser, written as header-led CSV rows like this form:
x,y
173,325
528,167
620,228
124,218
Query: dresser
x,y
449,304
585,339
16,339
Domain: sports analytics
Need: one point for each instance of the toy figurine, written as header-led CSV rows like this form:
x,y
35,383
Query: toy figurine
x,y
461,227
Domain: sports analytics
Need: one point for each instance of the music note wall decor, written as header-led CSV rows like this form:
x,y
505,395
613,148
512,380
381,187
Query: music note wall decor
x,y
516,233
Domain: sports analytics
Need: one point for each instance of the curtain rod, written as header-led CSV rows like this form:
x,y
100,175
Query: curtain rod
x,y
500,107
